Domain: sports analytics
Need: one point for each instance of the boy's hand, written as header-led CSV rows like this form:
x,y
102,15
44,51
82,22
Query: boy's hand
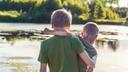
x,y
87,60
47,31
89,69
56,32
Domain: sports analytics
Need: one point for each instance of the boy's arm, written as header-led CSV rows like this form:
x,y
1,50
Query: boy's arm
x,y
86,59
89,69
55,32
43,67
80,49
43,58
94,58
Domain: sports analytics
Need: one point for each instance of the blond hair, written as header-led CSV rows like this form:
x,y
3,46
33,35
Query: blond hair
x,y
61,18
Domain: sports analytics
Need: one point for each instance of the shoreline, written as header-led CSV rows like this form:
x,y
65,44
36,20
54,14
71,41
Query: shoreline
x,y
82,23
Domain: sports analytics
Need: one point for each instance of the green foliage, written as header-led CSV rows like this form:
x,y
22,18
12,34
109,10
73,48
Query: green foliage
x,y
79,10
10,13
111,14
41,10
16,6
99,12
85,12
51,5
39,2
108,20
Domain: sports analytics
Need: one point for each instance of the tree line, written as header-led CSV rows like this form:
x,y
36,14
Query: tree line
x,y
39,11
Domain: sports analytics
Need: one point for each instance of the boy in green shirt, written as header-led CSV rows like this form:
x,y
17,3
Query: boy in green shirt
x,y
60,52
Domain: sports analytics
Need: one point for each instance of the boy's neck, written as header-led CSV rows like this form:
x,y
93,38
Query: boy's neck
x,y
86,39
61,32
61,29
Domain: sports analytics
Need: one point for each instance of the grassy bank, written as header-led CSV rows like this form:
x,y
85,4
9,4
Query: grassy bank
x,y
15,16
121,21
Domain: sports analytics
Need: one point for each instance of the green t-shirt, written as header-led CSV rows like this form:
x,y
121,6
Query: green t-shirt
x,y
60,53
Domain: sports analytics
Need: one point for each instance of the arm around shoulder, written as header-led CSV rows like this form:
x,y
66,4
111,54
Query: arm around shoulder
x,y
82,53
86,59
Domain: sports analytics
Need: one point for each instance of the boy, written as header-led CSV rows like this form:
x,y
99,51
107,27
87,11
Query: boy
x,y
57,51
88,37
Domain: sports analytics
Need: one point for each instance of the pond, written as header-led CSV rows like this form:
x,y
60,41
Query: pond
x,y
19,53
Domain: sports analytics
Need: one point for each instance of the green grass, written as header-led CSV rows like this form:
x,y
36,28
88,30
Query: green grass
x,y
12,14
18,1
106,20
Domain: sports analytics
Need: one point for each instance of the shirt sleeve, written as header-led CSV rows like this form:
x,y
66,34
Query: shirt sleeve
x,y
79,46
94,58
43,57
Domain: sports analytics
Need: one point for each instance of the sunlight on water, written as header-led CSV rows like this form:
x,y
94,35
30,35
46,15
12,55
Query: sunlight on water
x,y
109,61
19,57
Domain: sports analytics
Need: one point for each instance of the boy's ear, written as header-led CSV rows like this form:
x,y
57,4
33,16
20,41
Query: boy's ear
x,y
84,34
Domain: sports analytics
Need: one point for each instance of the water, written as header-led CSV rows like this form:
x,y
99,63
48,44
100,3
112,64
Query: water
x,y
113,61
19,57
20,54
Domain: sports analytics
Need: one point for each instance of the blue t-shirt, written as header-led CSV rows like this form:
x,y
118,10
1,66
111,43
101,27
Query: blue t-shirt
x,y
91,52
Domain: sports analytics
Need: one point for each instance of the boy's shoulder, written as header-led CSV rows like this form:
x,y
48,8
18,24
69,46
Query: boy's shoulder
x,y
75,39
74,36
47,39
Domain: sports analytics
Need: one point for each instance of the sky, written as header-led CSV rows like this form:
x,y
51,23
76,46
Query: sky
x,y
123,3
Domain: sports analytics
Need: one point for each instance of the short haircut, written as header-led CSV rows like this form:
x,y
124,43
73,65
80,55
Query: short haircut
x,y
91,29
61,18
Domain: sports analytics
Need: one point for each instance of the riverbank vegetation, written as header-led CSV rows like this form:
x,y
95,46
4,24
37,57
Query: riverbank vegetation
x,y
39,11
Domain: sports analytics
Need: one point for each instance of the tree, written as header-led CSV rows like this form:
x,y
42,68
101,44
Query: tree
x,y
111,15
85,15
99,10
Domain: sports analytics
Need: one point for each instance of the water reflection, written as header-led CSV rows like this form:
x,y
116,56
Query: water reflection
x,y
12,38
112,44
2,39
